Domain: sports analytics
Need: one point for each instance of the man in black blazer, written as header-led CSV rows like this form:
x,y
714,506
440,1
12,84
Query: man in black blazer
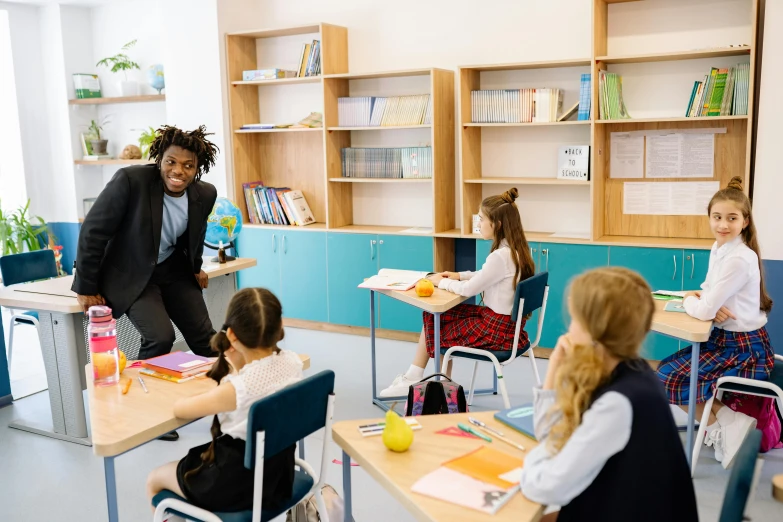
x,y
140,246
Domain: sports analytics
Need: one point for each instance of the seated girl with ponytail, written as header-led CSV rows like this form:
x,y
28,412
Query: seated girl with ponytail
x,y
609,449
249,367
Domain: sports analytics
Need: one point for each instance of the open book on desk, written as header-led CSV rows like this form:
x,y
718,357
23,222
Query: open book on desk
x,y
390,279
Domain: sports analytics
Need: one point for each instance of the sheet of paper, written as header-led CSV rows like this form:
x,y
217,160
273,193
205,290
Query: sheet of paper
x,y
627,159
697,155
680,155
684,198
663,156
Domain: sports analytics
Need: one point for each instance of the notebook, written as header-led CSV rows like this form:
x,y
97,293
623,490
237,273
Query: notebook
x,y
390,279
519,418
179,364
674,306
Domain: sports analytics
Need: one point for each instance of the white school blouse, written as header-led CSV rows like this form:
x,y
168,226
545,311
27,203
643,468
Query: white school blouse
x,y
255,381
495,279
733,280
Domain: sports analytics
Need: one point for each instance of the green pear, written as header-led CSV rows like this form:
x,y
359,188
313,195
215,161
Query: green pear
x,y
397,434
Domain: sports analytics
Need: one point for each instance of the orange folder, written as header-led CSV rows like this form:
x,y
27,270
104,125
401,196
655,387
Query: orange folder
x,y
487,465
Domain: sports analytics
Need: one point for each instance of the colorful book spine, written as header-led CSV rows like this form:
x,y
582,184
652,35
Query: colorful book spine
x,y
585,100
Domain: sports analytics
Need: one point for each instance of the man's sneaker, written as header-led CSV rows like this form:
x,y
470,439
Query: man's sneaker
x,y
399,387
735,427
715,439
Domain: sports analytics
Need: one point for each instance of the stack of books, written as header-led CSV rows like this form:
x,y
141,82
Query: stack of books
x,y
722,92
401,162
176,366
310,59
314,120
610,97
276,206
374,111
515,105
585,100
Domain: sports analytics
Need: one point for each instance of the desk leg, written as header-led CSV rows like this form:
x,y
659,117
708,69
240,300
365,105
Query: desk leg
x,y
111,489
436,341
692,400
372,345
348,517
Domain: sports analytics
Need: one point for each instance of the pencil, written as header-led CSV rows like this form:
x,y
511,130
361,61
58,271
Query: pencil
x,y
504,439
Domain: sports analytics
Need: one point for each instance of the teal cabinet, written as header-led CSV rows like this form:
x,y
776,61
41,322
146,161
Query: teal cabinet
x,y
404,253
482,252
663,269
563,262
264,246
351,258
303,275
695,268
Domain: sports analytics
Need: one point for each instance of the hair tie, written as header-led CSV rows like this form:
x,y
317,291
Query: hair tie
x,y
225,327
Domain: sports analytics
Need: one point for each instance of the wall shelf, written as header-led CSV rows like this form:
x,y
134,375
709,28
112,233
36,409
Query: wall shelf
x,y
675,119
528,181
280,81
380,180
379,127
679,55
119,99
529,124
113,162
287,129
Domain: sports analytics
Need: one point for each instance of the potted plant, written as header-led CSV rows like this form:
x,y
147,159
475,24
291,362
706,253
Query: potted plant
x,y
121,62
99,144
19,234
145,140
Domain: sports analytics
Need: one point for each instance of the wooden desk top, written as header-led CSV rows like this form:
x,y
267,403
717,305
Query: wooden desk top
x,y
55,295
777,487
680,325
120,422
440,301
397,472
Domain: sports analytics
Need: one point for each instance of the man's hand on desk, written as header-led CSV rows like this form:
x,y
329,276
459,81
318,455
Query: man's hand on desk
x,y
86,301
203,280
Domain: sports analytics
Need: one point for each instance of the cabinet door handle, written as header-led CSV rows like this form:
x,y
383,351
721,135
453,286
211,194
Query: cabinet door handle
x,y
545,252
285,245
674,258
693,263
274,242
372,248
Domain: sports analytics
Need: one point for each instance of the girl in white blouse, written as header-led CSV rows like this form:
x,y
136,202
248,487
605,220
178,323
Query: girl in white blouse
x,y
249,367
734,297
490,327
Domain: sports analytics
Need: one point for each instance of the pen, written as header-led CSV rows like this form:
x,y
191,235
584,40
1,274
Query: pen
x,y
468,429
483,425
143,386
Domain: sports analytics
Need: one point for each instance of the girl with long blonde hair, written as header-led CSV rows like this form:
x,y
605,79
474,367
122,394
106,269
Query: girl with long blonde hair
x,y
609,449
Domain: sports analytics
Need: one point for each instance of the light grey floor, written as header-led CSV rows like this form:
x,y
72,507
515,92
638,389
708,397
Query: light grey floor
x,y
43,479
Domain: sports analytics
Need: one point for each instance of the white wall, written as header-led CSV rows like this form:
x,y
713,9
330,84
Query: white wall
x,y
14,193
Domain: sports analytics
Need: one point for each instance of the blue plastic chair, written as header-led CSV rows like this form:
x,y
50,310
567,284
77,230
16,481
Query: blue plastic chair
x,y
742,479
531,294
23,268
274,423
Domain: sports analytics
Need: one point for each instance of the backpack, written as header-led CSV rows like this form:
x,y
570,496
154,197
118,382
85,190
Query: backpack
x,y
435,397
763,410
307,509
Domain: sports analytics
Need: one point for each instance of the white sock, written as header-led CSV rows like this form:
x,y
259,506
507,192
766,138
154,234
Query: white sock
x,y
415,373
725,416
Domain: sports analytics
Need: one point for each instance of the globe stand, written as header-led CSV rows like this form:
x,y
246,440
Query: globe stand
x,y
217,247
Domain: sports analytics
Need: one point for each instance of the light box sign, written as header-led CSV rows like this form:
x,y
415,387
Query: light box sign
x,y
573,162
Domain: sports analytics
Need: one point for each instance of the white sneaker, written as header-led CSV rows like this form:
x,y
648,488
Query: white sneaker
x,y
735,427
399,387
715,439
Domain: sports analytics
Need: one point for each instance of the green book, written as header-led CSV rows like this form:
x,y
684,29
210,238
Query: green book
x,y
716,100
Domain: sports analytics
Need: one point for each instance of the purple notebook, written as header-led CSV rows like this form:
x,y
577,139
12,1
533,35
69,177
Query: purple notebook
x,y
181,363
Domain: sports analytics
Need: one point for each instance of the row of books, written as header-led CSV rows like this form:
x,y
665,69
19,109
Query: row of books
x,y
310,59
314,120
395,163
276,206
585,98
176,367
376,111
515,105
722,92
610,97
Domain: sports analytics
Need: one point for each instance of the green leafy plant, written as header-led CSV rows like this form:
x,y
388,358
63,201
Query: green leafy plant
x,y
120,61
145,141
18,233
95,127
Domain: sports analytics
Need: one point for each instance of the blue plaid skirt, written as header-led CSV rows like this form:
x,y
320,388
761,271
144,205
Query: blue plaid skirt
x,y
737,354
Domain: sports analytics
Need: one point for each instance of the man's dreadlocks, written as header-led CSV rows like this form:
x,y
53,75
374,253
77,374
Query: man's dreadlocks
x,y
195,141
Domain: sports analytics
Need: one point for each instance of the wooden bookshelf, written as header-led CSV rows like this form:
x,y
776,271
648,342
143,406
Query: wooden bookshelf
x,y
381,180
680,55
279,81
380,127
286,129
528,181
119,99
530,124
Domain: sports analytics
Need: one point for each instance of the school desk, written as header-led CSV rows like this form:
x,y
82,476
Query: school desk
x,y
682,326
62,333
777,487
397,472
440,301
120,423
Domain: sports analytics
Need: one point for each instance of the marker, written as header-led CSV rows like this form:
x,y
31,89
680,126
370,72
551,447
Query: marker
x,y
144,387
468,429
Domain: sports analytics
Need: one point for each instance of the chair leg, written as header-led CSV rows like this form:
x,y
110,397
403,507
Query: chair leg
x,y
472,383
502,383
10,350
323,514
705,418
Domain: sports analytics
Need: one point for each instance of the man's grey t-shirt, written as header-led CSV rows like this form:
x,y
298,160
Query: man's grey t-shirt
x,y
175,223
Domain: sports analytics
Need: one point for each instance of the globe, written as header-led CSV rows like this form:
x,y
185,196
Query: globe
x,y
223,224
155,77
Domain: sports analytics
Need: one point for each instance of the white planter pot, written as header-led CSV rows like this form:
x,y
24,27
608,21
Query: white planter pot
x,y
129,88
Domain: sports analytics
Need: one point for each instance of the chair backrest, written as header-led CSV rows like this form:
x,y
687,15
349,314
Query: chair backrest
x,y
741,479
28,266
289,415
532,290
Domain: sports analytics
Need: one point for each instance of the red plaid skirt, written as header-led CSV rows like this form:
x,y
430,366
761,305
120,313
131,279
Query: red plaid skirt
x,y
473,326
736,354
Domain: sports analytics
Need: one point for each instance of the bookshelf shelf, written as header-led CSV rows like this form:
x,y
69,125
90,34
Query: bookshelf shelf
x,y
274,33
528,181
680,55
119,99
674,119
260,131
384,74
381,180
112,162
379,127
280,81
584,62
531,124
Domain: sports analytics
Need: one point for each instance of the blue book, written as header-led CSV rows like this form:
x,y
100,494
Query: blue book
x,y
519,418
674,306
584,98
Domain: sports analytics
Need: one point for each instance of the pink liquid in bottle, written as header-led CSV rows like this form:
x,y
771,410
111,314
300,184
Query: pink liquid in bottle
x,y
104,355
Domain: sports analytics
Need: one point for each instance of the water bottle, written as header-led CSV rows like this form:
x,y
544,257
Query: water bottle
x,y
104,355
